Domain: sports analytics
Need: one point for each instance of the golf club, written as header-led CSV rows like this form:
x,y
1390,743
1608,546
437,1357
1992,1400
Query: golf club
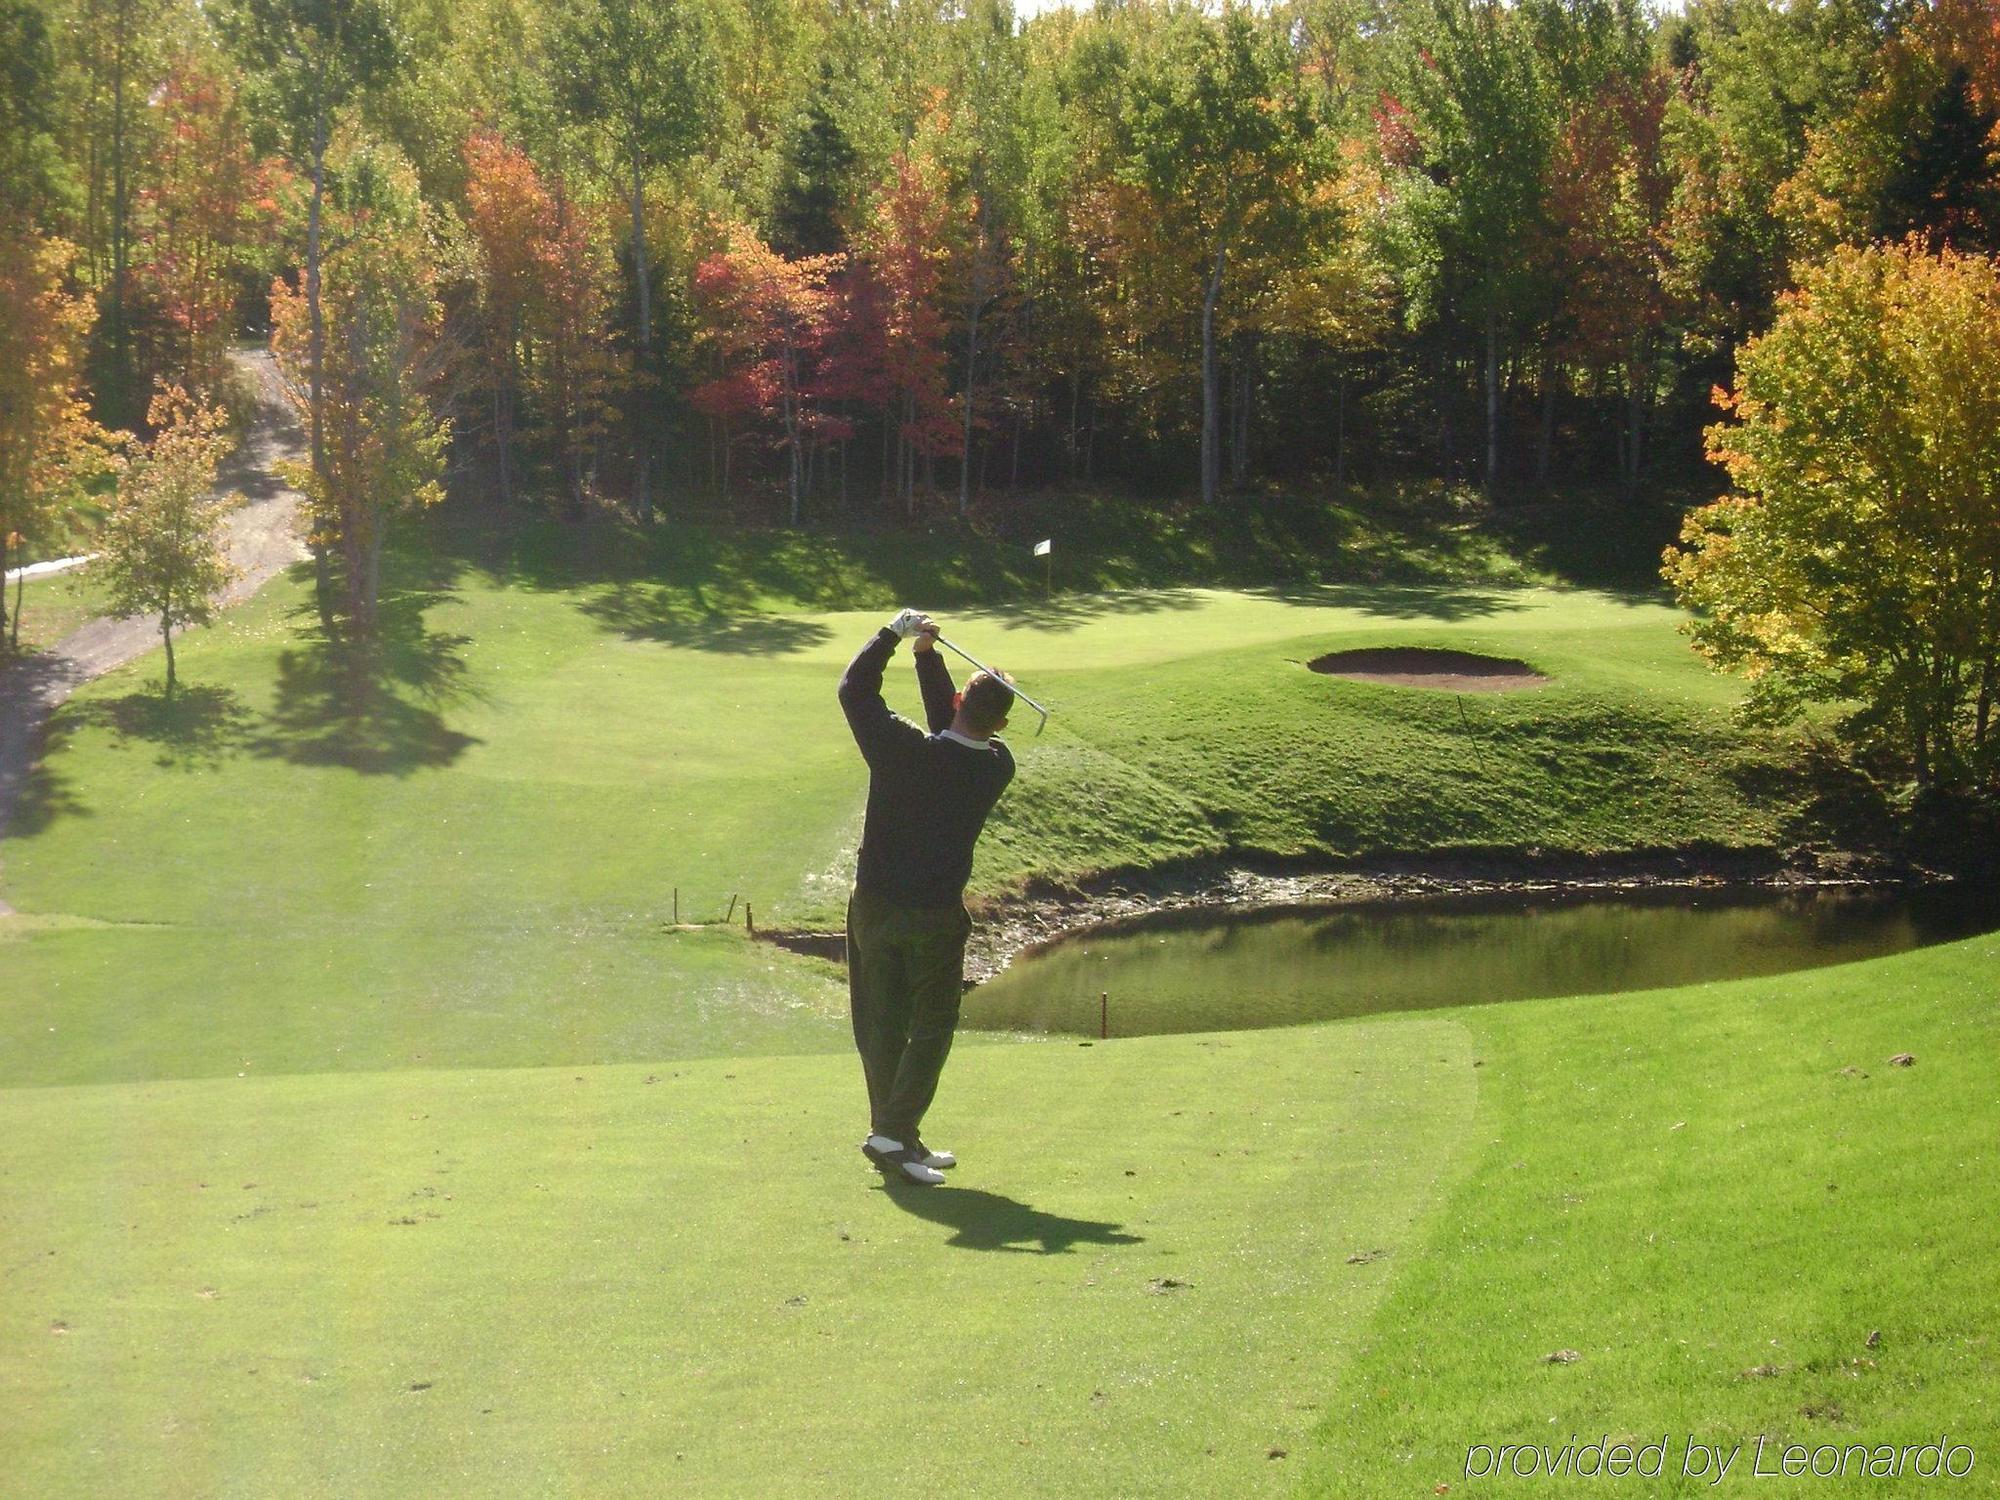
x,y
1044,724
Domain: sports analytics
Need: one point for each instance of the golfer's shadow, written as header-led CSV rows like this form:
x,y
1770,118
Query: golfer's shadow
x,y
989,1221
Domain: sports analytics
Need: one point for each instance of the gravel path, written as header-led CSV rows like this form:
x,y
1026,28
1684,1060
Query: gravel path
x,y
262,541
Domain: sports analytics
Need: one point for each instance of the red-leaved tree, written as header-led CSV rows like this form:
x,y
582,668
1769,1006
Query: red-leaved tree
x,y
770,320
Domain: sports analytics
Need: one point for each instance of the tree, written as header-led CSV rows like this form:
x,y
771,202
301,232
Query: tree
x,y
1481,106
640,71
162,551
816,170
1609,193
988,135
29,160
1859,558
385,352
119,54
48,444
1215,139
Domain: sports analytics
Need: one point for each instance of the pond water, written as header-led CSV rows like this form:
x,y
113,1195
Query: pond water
x,y
1218,970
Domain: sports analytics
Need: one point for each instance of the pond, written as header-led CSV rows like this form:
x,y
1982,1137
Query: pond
x,y
1210,970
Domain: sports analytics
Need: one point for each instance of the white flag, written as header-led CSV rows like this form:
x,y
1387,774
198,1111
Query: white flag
x,y
1042,547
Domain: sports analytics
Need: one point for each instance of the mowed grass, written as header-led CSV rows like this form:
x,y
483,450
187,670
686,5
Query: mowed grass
x,y
647,1280
466,850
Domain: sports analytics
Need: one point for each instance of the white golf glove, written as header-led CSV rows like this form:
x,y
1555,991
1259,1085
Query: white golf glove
x,y
908,622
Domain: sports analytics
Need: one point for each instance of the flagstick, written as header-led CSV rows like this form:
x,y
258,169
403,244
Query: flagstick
x,y
1049,574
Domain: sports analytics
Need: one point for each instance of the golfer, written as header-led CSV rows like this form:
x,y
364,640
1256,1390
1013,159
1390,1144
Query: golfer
x,y
928,797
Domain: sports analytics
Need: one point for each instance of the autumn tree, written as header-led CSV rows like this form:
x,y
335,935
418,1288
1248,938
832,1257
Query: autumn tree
x,y
544,304
1858,559
207,214
48,443
385,352
772,318
1609,196
1919,151
162,552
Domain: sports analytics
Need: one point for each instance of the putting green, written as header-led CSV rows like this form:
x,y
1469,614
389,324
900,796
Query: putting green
x,y
681,1279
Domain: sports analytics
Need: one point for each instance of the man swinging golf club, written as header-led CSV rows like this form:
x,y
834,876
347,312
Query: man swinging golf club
x,y
928,797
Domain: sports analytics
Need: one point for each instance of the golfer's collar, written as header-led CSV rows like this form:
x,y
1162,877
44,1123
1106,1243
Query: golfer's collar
x,y
965,739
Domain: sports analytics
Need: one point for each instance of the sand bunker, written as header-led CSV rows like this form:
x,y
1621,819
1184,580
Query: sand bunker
x,y
1418,666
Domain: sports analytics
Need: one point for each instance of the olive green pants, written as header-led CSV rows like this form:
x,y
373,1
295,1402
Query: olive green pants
x,y
905,974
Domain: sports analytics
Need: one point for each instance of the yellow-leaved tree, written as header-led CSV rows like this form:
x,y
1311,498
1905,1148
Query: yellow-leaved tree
x,y
162,552
1858,559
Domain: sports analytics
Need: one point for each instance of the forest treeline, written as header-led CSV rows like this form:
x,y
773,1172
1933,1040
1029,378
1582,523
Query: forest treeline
x,y
834,256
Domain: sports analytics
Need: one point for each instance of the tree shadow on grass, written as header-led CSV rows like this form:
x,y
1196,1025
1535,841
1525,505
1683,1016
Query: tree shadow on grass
x,y
1066,612
371,705
990,1221
32,795
679,617
1398,601
193,730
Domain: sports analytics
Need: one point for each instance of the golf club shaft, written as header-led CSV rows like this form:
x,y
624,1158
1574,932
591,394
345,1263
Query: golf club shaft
x,y
976,662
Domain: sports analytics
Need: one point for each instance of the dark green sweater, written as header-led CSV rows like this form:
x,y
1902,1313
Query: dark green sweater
x,y
928,796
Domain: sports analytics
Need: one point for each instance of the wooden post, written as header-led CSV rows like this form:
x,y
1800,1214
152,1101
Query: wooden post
x,y
749,923
677,906
1103,1014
